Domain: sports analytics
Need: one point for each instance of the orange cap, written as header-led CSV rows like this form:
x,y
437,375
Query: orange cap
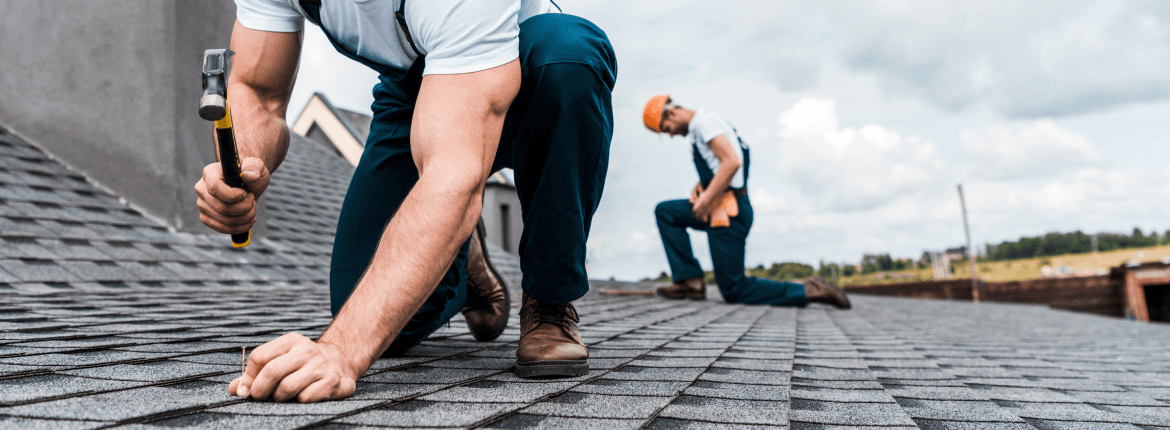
x,y
652,115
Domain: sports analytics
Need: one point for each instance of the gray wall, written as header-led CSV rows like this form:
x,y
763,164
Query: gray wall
x,y
112,87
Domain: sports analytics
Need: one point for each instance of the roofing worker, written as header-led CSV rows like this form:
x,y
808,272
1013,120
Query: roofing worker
x,y
467,87
719,205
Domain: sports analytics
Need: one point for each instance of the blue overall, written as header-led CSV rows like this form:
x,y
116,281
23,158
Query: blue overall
x,y
727,246
556,137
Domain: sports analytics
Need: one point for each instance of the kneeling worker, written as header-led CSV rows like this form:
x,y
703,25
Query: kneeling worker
x,y
465,88
719,205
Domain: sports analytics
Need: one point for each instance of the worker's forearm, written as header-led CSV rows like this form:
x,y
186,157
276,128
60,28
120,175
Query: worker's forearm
x,y
416,249
259,124
259,86
722,179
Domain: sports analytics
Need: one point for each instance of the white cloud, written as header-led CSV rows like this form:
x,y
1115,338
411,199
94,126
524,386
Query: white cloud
x,y
1024,59
1090,200
851,168
764,201
1038,149
931,69
792,68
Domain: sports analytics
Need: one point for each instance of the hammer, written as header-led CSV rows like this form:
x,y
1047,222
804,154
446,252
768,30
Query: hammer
x,y
213,106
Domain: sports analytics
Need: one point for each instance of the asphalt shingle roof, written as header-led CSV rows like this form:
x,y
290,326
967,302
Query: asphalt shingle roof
x,y
109,319
304,198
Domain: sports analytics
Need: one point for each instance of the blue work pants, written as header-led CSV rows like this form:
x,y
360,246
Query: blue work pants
x,y
727,253
556,137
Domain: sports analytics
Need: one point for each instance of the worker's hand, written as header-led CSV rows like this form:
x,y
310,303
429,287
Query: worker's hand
x,y
231,210
702,207
695,192
294,367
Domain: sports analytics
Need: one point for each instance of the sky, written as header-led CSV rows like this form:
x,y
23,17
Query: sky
x,y
863,116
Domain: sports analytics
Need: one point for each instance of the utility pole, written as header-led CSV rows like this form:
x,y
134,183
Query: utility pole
x,y
970,250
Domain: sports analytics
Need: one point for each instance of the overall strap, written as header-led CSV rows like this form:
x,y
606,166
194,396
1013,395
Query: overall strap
x,y
401,16
313,10
705,173
747,156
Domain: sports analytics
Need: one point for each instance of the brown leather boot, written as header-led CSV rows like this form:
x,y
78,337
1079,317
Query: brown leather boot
x,y
488,305
693,288
550,345
818,290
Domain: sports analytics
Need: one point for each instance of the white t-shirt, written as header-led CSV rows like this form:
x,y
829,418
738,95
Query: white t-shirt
x,y
457,36
705,126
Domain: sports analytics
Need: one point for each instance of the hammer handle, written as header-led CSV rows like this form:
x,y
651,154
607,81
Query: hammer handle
x,y
229,161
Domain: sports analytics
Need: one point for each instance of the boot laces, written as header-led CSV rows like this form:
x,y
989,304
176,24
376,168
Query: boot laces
x,y
562,314
474,283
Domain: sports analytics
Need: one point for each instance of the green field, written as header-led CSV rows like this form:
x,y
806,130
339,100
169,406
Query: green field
x,y
1020,270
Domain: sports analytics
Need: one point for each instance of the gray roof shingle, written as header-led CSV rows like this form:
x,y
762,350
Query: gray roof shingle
x,y
109,319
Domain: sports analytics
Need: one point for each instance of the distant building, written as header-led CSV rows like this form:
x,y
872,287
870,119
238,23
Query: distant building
x,y
501,212
339,131
940,264
344,132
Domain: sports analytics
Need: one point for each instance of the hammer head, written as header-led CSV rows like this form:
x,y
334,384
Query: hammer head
x,y
213,104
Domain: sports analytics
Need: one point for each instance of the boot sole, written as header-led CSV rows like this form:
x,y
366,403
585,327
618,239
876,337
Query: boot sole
x,y
551,369
482,230
681,297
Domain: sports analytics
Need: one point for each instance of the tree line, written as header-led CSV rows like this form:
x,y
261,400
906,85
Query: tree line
x,y
1053,244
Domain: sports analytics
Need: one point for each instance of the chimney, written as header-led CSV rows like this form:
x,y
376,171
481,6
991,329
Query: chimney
x,y
111,88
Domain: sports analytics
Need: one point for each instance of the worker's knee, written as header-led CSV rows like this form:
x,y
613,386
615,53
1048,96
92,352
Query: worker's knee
x,y
669,211
729,280
662,211
571,86
572,96
561,39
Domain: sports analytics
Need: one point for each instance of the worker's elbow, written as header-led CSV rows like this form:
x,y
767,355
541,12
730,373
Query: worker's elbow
x,y
256,99
464,184
505,86
467,189
500,103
